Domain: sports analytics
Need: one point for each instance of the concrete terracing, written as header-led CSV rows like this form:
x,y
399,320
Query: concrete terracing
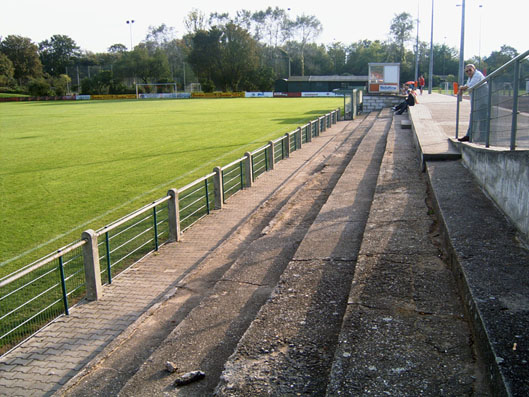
x,y
327,277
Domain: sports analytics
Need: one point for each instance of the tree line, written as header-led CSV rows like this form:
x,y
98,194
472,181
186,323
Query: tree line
x,y
248,51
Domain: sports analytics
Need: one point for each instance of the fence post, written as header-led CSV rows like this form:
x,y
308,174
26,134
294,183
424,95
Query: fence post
x,y
286,139
298,138
248,171
354,105
308,133
487,121
91,265
514,123
217,185
173,211
271,155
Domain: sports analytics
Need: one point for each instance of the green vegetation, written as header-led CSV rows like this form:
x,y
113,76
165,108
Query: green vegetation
x,y
69,166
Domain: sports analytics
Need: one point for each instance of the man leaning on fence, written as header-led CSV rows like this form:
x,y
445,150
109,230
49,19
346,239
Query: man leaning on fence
x,y
478,104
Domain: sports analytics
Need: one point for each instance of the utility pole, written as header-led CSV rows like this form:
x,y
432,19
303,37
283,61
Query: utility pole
x,y
417,48
130,28
430,68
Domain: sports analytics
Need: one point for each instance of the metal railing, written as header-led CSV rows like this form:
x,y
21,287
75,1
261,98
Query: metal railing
x,y
38,293
196,200
500,106
130,238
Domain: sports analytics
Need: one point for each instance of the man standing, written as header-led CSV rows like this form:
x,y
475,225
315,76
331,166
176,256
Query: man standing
x,y
474,77
421,83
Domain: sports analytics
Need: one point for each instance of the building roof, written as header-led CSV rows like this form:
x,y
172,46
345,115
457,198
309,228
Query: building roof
x,y
328,78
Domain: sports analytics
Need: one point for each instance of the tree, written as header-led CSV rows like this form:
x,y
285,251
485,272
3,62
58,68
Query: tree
x,y
261,79
23,53
7,72
337,56
400,30
275,26
160,35
60,84
195,21
205,54
238,56
498,58
57,53
117,48
362,52
306,28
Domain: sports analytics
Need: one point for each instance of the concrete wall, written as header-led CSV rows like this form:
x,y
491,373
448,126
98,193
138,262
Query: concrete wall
x,y
505,177
380,101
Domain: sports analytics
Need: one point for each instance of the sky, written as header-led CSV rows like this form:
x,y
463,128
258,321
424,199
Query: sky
x,y
95,25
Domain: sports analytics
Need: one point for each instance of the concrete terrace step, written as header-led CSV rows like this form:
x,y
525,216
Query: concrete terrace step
x,y
228,284
431,142
289,347
404,330
210,333
492,269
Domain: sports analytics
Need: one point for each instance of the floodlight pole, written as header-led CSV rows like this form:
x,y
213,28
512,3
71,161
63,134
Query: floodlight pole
x,y
130,22
417,48
462,46
430,67
460,78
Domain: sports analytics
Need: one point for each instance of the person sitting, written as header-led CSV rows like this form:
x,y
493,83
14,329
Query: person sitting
x,y
402,107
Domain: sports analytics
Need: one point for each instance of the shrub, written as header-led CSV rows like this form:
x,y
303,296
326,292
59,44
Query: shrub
x,y
39,87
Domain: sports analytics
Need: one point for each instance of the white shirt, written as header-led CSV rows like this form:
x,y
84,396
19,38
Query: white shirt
x,y
476,78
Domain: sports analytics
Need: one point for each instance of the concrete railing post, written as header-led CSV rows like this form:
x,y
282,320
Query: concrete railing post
x,y
298,138
173,210
308,132
287,144
248,170
354,105
271,155
92,270
217,185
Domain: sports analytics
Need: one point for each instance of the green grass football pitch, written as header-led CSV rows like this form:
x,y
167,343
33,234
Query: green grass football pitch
x,y
69,166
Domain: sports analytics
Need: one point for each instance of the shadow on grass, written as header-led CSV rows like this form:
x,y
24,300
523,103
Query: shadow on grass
x,y
121,159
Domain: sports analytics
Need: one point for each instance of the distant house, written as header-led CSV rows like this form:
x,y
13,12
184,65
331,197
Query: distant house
x,y
321,83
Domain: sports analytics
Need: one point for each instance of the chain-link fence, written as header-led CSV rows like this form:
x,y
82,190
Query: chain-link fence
x,y
500,106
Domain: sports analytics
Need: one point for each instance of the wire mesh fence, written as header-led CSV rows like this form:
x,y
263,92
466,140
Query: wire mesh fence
x,y
280,150
260,162
233,176
500,106
132,239
30,300
196,200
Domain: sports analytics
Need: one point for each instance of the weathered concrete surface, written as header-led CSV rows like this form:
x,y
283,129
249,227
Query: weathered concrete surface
x,y
404,332
289,347
492,270
504,175
431,141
